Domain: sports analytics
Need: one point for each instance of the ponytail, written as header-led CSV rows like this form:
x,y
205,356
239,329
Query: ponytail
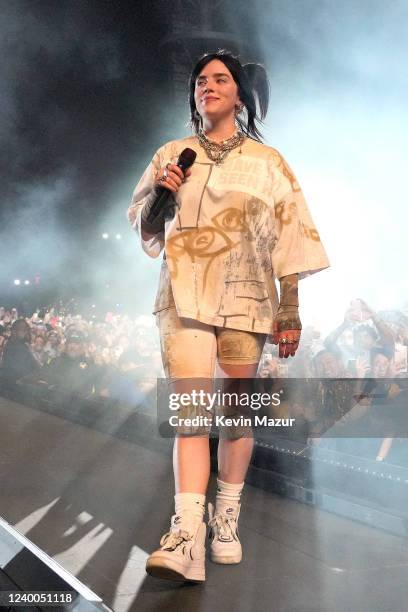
x,y
258,80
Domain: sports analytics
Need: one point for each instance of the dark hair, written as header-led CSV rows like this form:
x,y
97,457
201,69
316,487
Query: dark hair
x,y
377,350
19,323
334,351
365,329
252,82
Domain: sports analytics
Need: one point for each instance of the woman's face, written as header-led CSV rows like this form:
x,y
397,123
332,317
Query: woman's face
x,y
216,93
380,367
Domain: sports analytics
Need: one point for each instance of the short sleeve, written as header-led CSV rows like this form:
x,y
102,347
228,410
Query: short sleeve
x,y
141,195
298,248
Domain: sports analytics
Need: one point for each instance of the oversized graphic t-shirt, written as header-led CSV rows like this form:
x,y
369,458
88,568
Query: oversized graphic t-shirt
x,y
238,226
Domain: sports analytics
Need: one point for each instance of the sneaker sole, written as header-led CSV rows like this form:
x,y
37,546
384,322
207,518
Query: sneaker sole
x,y
169,569
226,560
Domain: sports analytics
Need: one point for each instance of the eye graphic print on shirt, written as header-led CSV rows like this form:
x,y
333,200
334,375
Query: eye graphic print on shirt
x,y
235,244
238,227
228,245
200,242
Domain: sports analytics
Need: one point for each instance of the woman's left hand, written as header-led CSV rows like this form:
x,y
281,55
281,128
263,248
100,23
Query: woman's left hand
x,y
287,328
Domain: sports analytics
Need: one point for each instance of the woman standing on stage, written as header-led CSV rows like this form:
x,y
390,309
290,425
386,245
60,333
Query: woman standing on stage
x,y
236,221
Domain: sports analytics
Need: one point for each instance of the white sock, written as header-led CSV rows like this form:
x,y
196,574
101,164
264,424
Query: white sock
x,y
190,507
228,498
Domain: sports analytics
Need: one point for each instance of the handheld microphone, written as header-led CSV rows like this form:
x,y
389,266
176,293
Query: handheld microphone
x,y
185,160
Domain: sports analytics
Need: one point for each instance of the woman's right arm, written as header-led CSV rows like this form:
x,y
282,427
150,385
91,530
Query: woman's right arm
x,y
146,219
143,194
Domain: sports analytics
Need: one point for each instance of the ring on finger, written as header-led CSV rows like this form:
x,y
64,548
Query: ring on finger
x,y
164,175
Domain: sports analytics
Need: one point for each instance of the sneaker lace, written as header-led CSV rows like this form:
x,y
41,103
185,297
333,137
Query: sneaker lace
x,y
226,527
172,539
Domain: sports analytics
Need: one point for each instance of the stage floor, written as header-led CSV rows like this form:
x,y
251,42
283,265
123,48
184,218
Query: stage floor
x,y
98,504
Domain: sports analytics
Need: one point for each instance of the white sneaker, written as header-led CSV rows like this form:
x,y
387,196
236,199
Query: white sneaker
x,y
225,545
181,555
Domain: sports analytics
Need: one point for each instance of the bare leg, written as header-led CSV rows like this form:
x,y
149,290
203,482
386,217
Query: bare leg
x,y
191,464
191,453
234,455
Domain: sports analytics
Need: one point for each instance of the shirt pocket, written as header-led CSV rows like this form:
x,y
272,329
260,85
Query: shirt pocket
x,y
245,298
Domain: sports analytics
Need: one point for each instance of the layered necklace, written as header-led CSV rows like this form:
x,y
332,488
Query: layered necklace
x,y
218,151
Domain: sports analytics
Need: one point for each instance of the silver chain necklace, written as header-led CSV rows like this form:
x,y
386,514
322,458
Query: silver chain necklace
x,y
218,151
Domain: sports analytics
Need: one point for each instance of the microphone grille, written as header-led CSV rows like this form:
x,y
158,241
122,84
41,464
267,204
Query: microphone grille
x,y
186,159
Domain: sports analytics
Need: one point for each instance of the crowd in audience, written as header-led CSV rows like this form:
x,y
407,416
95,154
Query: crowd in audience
x,y
365,344
119,357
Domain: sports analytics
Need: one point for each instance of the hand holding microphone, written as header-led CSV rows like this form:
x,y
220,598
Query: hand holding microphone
x,y
168,181
171,177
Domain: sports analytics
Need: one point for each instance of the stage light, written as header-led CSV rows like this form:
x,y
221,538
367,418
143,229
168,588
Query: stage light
x,y
105,236
118,236
26,282
17,282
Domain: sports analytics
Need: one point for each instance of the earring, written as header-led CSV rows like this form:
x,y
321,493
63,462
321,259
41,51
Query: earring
x,y
239,108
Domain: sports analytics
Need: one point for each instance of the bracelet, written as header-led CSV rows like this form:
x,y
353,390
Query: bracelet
x,y
289,324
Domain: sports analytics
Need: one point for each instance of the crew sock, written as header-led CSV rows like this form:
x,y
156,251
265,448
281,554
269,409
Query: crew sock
x,y
190,508
228,498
